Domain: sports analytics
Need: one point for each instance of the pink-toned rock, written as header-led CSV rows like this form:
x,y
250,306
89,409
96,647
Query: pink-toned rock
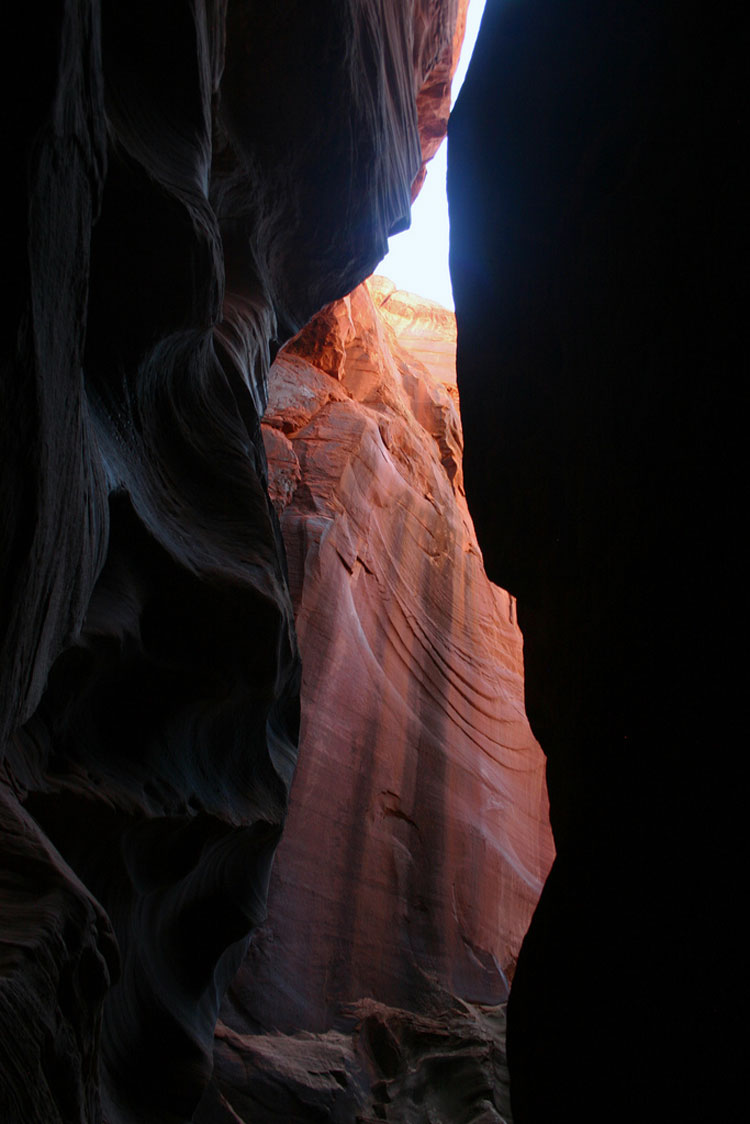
x,y
323,343
424,328
418,839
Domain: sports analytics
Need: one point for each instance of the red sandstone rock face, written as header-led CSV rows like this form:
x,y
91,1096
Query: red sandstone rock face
x,y
417,841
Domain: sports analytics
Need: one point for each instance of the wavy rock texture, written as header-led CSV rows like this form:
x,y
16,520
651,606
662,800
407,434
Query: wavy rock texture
x,y
386,1064
188,184
597,203
417,841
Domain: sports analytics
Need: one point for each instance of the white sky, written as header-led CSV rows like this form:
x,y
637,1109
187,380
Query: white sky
x,y
417,259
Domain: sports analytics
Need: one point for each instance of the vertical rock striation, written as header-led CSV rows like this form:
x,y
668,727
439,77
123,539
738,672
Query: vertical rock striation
x,y
187,185
417,841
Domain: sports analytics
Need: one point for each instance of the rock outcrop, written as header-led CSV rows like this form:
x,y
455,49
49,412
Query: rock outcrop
x,y
386,1065
417,841
597,202
186,185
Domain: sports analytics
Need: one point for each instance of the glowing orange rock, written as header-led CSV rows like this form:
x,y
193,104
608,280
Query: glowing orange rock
x,y
418,840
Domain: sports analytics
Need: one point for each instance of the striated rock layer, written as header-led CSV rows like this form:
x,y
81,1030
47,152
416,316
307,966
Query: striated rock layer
x,y
186,185
417,840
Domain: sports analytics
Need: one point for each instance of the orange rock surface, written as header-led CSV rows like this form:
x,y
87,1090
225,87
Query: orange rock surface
x,y
418,840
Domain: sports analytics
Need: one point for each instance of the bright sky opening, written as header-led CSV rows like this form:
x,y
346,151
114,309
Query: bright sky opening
x,y
417,259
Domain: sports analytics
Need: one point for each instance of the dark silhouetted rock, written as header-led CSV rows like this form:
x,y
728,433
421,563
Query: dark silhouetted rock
x,y
597,213
186,185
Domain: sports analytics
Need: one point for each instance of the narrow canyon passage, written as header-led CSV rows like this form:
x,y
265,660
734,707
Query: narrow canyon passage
x,y
235,533
181,214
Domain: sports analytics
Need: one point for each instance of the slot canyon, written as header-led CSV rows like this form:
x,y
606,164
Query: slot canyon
x,y
371,716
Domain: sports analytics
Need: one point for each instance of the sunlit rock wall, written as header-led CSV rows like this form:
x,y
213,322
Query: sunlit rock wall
x,y
186,185
417,841
422,792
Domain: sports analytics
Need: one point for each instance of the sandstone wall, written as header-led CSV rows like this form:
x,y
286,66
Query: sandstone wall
x,y
417,840
187,185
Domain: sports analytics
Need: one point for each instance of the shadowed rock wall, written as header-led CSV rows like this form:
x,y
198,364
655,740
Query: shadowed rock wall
x,y
188,183
598,240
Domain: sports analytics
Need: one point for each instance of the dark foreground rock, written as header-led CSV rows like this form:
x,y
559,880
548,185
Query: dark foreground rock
x,y
599,237
186,184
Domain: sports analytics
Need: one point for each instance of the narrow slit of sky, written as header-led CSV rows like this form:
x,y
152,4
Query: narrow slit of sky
x,y
417,259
